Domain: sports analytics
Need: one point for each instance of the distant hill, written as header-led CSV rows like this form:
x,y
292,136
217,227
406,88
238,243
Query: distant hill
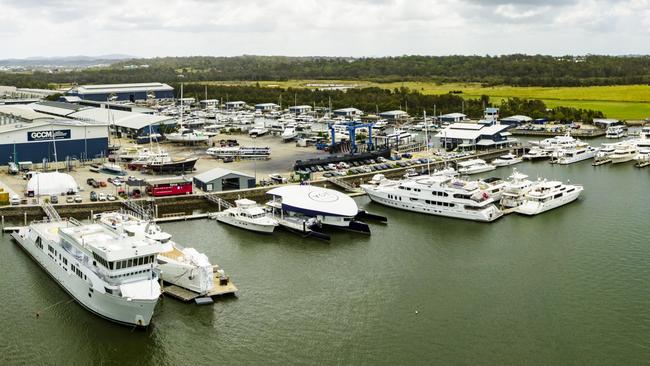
x,y
67,61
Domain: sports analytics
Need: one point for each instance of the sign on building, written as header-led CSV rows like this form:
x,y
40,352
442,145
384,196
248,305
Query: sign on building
x,y
48,135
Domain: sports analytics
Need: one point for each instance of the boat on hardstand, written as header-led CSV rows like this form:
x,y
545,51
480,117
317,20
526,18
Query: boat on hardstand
x,y
547,195
161,162
247,214
110,274
184,267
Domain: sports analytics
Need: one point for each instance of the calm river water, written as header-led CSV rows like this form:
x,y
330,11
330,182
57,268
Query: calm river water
x,y
570,286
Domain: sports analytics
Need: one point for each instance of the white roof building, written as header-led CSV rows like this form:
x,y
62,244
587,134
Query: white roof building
x,y
474,134
313,201
396,114
348,112
122,88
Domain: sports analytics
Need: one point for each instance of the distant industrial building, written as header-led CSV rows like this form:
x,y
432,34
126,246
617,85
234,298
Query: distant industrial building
x,y
266,107
394,115
452,117
123,92
235,105
516,120
348,112
209,103
220,179
26,135
469,136
25,93
300,109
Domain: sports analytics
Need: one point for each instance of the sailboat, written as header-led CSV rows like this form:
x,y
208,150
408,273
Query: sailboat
x,y
185,135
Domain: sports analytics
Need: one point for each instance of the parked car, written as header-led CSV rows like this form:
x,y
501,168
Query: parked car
x,y
343,165
78,199
101,197
54,199
69,199
93,196
111,197
91,181
14,200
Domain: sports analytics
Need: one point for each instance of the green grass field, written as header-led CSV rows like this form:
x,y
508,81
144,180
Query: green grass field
x,y
629,102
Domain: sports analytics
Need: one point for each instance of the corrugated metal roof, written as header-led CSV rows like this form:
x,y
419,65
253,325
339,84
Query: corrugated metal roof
x,y
124,119
117,88
217,173
23,112
465,131
393,113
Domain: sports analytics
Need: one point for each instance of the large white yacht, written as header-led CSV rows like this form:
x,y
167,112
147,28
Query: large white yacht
x,y
474,166
624,152
184,267
515,189
547,195
247,214
573,154
441,195
109,273
604,152
507,159
555,142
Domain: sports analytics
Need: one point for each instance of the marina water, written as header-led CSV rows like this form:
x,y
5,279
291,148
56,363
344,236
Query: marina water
x,y
569,286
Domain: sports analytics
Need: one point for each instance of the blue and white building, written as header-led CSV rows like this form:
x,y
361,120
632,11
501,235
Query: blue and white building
x,y
348,112
266,107
32,136
471,136
300,109
123,92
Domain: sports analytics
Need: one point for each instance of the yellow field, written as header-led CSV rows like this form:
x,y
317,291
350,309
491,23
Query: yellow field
x,y
630,102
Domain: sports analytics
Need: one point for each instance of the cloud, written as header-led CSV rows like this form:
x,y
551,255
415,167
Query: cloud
x,y
316,27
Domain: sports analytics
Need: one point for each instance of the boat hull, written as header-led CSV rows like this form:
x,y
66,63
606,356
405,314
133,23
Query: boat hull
x,y
176,166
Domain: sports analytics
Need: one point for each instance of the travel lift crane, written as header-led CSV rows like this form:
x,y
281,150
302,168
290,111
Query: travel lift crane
x,y
352,127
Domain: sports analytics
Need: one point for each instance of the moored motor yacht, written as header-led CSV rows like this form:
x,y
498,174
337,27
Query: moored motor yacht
x,y
441,195
474,166
536,153
184,267
624,152
507,159
547,195
110,274
615,132
517,185
247,214
573,154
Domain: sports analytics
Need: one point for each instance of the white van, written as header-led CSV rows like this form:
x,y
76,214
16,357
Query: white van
x,y
14,200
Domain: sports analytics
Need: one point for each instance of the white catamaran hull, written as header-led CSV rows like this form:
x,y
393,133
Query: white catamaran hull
x,y
133,312
486,214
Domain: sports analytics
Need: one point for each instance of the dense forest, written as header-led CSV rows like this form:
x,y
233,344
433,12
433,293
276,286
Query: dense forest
x,y
517,70
372,100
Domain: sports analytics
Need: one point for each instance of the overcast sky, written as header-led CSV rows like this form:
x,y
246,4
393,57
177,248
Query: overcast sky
x,y
322,27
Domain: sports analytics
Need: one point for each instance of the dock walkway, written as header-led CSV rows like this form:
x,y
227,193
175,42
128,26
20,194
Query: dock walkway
x,y
186,295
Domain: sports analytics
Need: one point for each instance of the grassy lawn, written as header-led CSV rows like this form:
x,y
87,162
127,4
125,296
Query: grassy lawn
x,y
631,102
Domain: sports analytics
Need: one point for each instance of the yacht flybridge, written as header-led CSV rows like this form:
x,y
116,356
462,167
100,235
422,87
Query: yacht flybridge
x,y
109,273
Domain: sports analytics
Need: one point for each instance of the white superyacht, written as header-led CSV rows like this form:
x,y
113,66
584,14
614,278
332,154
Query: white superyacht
x,y
441,195
109,273
474,166
517,186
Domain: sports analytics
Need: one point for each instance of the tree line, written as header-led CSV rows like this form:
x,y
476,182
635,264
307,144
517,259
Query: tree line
x,y
517,70
374,100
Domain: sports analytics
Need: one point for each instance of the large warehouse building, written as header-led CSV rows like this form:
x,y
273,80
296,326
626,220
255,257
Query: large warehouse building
x,y
125,123
26,135
123,92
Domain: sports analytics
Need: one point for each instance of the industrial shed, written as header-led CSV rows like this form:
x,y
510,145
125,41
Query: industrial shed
x,y
452,117
124,123
123,92
348,112
220,179
266,107
394,115
299,109
516,120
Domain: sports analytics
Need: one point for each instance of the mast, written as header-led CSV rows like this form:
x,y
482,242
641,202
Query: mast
x,y
426,138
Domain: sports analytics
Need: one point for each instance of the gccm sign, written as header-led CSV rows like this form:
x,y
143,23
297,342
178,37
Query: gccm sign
x,y
48,135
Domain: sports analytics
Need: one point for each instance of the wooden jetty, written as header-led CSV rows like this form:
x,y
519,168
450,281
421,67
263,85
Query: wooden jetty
x,y
222,286
601,162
